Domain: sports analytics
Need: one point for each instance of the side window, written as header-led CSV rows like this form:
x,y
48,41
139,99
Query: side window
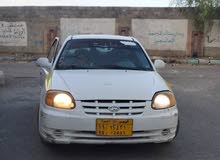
x,y
53,50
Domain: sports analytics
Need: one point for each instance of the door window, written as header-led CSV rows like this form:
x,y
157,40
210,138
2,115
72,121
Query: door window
x,y
53,50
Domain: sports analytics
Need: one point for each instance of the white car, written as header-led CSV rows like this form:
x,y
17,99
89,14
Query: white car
x,y
104,89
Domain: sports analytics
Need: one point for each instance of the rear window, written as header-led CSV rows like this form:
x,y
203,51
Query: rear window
x,y
103,54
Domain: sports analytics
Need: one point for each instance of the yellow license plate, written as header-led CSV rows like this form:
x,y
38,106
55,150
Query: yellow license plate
x,y
114,127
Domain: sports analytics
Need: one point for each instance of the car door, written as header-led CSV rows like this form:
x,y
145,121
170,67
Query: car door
x,y
45,72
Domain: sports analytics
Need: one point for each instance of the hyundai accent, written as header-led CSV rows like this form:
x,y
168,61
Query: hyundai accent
x,y
104,89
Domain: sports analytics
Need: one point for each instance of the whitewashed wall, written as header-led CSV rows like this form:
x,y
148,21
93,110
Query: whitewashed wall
x,y
71,26
212,39
13,33
161,34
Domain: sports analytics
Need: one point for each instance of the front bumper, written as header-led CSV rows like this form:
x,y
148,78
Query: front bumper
x,y
74,126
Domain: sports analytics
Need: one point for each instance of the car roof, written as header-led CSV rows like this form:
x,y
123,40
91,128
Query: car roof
x,y
102,36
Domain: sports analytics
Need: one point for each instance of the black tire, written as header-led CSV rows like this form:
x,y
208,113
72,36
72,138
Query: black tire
x,y
177,128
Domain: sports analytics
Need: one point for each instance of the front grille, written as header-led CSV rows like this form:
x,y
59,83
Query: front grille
x,y
101,107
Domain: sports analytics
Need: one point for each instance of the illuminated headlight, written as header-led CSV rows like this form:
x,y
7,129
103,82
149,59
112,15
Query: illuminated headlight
x,y
163,100
59,99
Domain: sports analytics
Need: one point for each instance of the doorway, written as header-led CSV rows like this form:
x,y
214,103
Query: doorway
x,y
197,44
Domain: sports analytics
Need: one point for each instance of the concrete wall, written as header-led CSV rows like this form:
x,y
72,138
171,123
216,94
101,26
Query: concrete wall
x,y
13,33
162,35
71,26
28,31
212,41
37,23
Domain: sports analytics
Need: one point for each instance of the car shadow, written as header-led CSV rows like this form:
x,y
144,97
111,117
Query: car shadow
x,y
111,151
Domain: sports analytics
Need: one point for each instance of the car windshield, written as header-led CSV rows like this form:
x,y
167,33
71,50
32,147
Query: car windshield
x,y
103,54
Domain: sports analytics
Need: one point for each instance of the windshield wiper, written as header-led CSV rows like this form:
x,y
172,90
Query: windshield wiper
x,y
78,67
117,67
124,68
71,67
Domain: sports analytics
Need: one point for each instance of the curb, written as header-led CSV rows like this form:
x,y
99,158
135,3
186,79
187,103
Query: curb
x,y
2,78
203,61
215,62
192,61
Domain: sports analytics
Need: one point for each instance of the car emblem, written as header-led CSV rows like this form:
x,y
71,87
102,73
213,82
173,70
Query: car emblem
x,y
114,108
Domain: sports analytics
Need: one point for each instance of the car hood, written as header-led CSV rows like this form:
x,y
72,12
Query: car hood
x,y
108,84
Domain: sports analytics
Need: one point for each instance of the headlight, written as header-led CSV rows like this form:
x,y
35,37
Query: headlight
x,y
59,99
163,100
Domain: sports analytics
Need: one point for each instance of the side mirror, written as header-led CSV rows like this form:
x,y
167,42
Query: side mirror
x,y
44,63
159,64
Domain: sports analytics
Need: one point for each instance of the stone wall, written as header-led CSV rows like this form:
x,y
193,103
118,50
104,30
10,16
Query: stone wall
x,y
28,31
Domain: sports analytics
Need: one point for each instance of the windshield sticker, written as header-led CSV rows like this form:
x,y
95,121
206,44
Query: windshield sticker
x,y
127,43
